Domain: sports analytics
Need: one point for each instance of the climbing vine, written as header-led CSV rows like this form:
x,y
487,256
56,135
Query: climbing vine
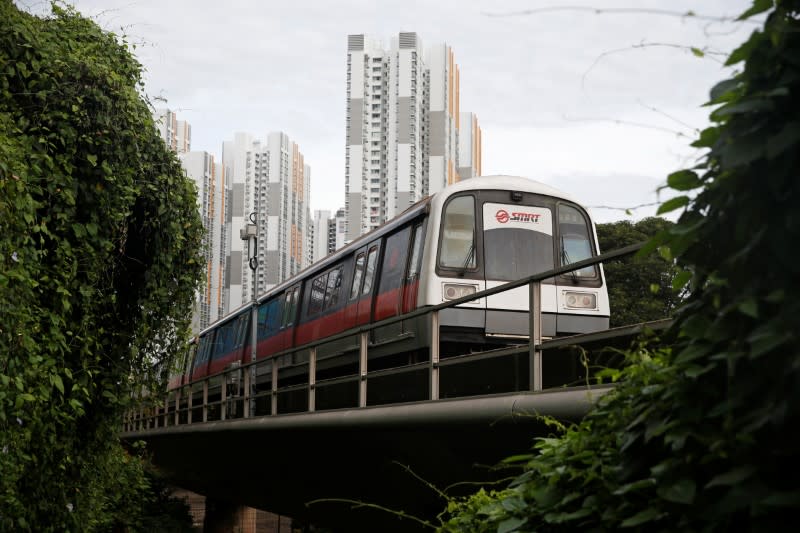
x,y
700,437
99,240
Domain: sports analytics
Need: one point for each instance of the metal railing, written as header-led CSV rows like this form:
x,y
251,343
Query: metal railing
x,y
287,382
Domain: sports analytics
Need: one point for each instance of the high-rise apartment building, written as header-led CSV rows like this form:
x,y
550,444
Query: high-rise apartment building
x,y
320,246
403,127
270,181
176,133
328,234
209,178
469,146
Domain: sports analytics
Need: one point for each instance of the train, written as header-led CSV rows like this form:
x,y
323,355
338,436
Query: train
x,y
473,235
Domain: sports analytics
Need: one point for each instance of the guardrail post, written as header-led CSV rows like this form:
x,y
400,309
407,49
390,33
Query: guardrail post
x,y
223,397
535,335
274,406
155,416
363,340
434,359
177,407
189,403
246,399
312,379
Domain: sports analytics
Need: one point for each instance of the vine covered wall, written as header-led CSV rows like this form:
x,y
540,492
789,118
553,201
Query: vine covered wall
x,y
99,242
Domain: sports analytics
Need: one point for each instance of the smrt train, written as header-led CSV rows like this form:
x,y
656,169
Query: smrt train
x,y
474,235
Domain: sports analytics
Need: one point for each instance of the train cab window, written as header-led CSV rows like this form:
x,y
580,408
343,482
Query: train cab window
x,y
574,241
517,240
416,254
372,258
317,294
394,260
358,273
334,284
458,234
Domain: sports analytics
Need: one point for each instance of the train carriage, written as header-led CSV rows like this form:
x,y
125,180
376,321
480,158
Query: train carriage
x,y
473,235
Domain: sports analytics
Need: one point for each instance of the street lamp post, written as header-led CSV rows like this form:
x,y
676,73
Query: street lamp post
x,y
249,233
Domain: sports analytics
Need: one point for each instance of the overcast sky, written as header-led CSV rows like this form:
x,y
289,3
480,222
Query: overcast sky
x,y
601,105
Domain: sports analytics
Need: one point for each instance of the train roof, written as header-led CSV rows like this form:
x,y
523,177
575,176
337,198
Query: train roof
x,y
515,183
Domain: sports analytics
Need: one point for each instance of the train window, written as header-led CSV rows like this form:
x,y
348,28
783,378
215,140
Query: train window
x,y
286,300
458,234
332,292
357,275
290,306
317,294
574,241
242,330
224,341
273,320
203,350
370,274
394,260
416,254
263,318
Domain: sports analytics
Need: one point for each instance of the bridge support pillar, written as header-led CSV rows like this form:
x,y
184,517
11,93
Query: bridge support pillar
x,y
227,517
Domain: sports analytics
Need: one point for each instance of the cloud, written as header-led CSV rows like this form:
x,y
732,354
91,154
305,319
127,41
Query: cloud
x,y
555,92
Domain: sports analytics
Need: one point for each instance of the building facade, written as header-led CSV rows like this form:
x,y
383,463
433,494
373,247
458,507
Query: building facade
x,y
269,184
177,134
328,234
209,177
403,125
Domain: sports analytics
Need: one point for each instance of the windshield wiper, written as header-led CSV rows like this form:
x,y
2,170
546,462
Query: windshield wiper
x,y
565,260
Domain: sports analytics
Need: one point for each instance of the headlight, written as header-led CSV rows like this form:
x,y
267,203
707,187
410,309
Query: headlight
x,y
580,300
454,291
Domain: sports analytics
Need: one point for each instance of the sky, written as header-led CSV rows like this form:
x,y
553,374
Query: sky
x,y
599,99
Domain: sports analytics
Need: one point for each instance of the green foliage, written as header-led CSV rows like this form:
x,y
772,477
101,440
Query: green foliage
x,y
99,239
639,288
701,437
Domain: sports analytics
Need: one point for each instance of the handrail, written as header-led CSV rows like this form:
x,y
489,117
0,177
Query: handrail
x,y
187,393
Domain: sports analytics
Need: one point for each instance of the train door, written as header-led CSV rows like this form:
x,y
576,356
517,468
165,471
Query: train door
x,y
389,296
368,289
291,301
411,280
354,288
517,243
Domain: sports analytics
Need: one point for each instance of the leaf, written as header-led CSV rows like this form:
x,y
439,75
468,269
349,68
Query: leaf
x,y
641,517
92,159
783,141
682,491
732,477
759,6
672,204
723,88
680,280
510,524
697,52
58,383
749,307
683,180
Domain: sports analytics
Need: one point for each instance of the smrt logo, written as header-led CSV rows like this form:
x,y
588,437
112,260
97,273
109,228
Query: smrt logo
x,y
502,217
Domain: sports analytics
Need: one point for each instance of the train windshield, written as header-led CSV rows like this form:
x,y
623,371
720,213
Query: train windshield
x,y
575,244
517,241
